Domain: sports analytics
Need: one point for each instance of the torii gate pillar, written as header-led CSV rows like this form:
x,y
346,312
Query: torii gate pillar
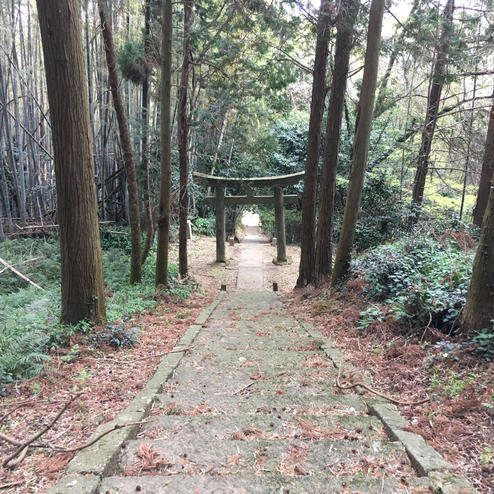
x,y
279,215
220,224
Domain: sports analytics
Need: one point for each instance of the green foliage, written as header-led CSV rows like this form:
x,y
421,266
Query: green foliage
x,y
116,237
384,215
132,61
204,226
420,278
21,354
484,342
29,325
370,315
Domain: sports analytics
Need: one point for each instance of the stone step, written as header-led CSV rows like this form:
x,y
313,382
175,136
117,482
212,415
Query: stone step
x,y
230,380
263,359
290,457
262,337
255,400
270,427
275,483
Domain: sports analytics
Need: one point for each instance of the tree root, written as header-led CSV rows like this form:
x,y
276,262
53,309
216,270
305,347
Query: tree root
x,y
378,393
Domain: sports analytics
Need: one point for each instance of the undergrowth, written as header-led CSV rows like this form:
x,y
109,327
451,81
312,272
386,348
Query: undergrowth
x,y
29,326
420,280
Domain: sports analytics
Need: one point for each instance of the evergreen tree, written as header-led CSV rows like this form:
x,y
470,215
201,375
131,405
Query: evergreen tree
x,y
83,294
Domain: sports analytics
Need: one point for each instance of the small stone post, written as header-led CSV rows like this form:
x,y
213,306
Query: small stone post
x,y
220,224
279,215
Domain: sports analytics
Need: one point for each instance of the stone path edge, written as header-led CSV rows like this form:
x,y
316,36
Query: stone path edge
x,y
86,470
425,459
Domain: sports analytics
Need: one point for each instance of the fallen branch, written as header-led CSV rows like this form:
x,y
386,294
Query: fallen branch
x,y
59,449
19,405
176,350
9,439
18,273
22,262
14,484
243,388
371,390
21,451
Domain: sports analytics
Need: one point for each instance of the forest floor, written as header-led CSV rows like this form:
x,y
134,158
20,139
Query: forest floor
x,y
455,421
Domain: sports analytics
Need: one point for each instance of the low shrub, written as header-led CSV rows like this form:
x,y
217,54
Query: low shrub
x,y
204,226
484,342
422,279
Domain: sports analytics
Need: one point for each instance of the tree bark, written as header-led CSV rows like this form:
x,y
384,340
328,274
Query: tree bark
x,y
183,132
83,295
344,37
438,78
148,212
486,173
128,157
361,145
306,273
161,277
479,308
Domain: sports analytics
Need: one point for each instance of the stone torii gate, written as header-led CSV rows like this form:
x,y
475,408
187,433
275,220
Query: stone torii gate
x,y
278,199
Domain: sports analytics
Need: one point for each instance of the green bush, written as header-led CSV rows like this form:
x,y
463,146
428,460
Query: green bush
x,y
420,278
204,226
484,342
116,237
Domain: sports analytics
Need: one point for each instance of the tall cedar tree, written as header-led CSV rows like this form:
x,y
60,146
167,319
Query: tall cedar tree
x,y
361,144
83,291
148,212
161,277
437,83
306,273
183,138
486,173
128,156
344,38
479,308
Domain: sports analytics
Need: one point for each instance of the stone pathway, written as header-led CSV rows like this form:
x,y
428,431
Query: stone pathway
x,y
250,275
252,408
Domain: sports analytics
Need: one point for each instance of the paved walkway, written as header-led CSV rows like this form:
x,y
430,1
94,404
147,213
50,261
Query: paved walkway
x,y
250,275
251,408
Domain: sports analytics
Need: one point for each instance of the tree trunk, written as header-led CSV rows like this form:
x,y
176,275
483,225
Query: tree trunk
x,y
165,152
128,158
438,78
479,308
486,173
344,37
183,130
83,295
361,145
306,273
148,212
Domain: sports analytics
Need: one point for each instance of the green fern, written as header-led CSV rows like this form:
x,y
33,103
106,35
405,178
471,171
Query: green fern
x,y
21,355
